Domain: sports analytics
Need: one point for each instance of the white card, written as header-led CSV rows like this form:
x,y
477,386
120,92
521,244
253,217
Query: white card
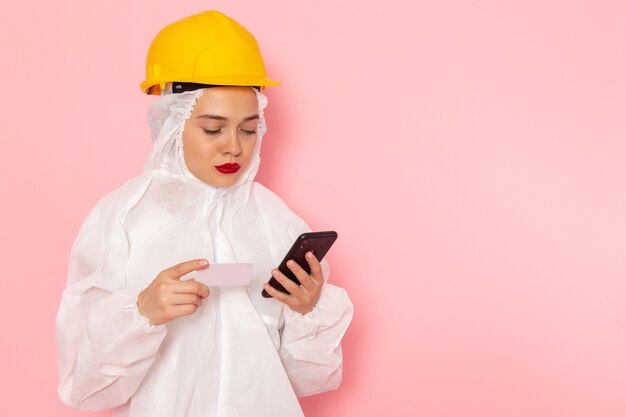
x,y
224,274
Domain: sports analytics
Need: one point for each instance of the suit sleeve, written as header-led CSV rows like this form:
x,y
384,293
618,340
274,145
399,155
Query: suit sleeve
x,y
311,343
104,346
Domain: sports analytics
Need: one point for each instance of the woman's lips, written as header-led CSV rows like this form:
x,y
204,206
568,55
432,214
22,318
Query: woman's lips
x,y
228,168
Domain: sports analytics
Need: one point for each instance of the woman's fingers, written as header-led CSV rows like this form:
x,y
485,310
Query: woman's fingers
x,y
303,297
305,279
181,310
288,284
179,299
316,268
191,287
183,268
279,295
167,298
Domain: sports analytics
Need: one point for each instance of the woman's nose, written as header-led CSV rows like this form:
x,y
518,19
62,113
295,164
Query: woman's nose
x,y
232,144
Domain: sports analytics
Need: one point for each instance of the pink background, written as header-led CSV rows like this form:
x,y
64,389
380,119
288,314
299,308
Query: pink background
x,y
471,155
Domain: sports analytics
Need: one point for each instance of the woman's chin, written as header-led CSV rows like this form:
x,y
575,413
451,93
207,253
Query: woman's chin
x,y
219,180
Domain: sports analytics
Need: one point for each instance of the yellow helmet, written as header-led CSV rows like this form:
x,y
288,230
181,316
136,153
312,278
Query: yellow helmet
x,y
206,48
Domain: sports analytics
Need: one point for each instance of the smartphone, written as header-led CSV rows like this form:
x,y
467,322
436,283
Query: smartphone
x,y
317,242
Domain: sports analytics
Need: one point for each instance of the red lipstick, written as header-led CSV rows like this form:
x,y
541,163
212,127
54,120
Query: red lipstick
x,y
228,168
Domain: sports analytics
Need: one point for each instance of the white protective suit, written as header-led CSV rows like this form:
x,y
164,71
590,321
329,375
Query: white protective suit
x,y
239,354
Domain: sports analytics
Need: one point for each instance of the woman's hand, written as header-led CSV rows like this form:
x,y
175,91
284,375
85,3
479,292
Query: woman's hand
x,y
303,297
168,298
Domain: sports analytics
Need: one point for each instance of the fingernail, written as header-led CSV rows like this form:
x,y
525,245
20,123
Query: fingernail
x,y
309,255
203,262
291,263
274,272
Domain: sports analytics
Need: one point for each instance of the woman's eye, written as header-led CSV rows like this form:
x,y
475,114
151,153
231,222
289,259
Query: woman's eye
x,y
249,132
211,132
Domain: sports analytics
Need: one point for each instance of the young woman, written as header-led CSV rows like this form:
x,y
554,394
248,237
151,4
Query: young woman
x,y
134,333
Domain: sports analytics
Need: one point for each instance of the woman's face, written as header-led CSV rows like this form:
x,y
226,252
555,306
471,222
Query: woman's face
x,y
220,135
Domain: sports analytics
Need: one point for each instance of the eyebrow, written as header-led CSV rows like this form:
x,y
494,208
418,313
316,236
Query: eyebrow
x,y
216,117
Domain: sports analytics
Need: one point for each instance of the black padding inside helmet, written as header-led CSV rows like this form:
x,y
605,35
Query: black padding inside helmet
x,y
182,87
